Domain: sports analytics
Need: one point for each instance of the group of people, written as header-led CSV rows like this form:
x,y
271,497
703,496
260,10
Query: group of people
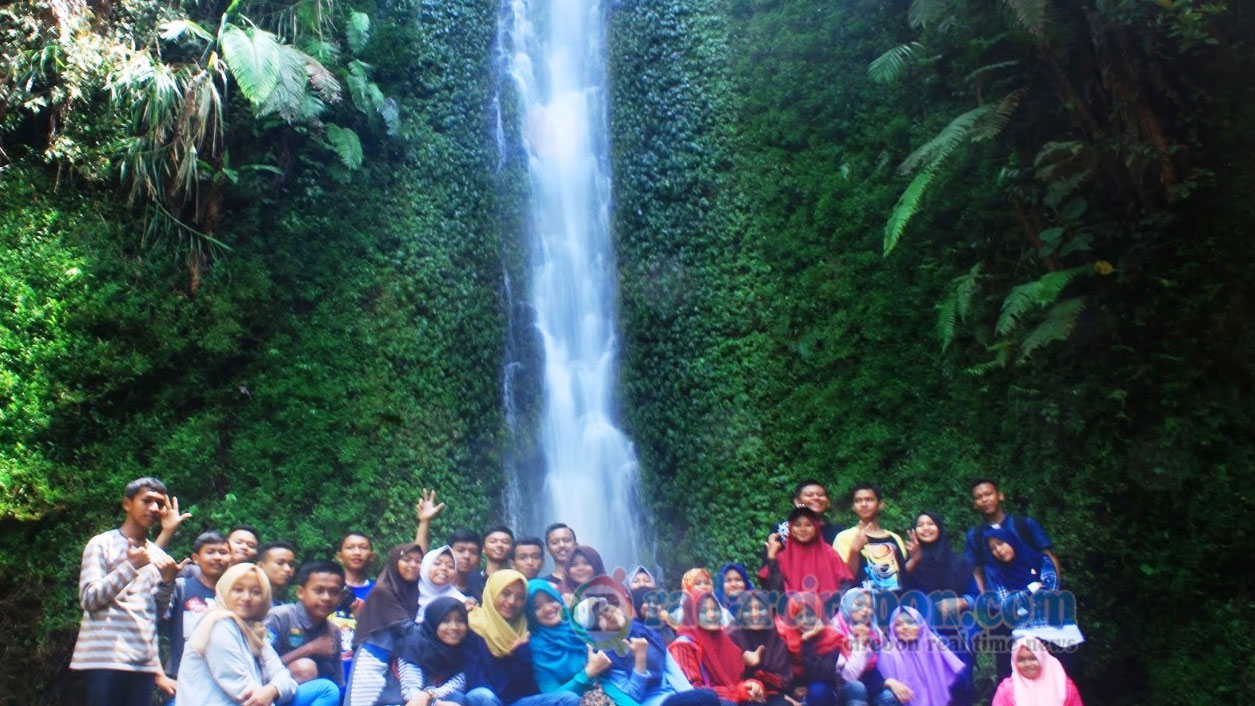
x,y
854,617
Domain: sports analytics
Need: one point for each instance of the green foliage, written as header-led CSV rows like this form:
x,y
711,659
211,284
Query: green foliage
x,y
357,31
887,66
346,145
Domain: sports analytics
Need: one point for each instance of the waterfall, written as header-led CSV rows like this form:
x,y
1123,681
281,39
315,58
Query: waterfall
x,y
552,55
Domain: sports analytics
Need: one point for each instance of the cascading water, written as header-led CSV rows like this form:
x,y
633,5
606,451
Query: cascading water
x,y
553,52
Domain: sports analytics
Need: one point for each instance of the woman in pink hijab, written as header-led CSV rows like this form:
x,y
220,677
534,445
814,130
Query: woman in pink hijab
x,y
1037,679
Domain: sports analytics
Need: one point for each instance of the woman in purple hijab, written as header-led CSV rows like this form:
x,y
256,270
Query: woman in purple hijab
x,y
916,664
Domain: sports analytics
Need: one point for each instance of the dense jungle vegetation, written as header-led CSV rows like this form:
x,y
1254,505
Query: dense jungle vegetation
x,y
257,247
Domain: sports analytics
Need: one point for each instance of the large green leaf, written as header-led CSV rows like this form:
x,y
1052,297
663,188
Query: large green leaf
x,y
357,31
346,145
256,60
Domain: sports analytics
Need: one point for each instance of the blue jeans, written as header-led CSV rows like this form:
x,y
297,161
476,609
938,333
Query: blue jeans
x,y
820,694
317,692
854,693
692,697
114,687
482,696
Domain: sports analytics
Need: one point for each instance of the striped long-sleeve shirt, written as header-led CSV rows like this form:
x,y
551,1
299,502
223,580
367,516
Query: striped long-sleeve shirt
x,y
120,608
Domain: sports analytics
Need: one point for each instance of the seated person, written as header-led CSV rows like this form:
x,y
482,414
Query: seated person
x,y
874,555
278,560
649,607
561,660
641,577
194,595
1029,600
1038,678
384,622
694,583
432,662
304,638
709,658
732,580
528,557
501,670
857,665
917,666
814,647
806,562
988,499
435,580
646,656
767,657
227,660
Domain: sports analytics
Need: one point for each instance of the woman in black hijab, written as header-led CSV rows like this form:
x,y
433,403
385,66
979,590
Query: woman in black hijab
x,y
384,622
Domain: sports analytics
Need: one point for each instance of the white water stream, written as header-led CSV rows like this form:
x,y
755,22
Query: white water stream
x,y
554,53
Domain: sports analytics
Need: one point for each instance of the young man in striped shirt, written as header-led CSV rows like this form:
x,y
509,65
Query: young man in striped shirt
x,y
125,583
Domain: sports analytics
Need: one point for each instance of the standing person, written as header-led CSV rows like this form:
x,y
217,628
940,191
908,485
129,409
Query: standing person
x,y
528,557
945,578
1038,680
812,494
988,499
244,542
435,579
501,672
560,541
228,661
498,548
426,510
806,562
385,621
355,554
709,658
766,655
875,555
307,643
278,560
124,585
194,595
467,578
917,666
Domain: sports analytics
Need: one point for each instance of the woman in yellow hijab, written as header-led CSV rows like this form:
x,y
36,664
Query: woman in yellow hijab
x,y
502,672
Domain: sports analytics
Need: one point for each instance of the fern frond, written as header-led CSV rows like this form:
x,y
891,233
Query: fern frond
x,y
287,100
947,321
357,31
390,112
174,29
255,59
887,66
907,206
1029,14
1002,355
1058,325
991,68
924,11
995,120
346,145
1037,294
965,290
324,82
932,153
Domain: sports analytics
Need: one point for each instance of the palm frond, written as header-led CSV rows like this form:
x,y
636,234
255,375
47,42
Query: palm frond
x,y
256,60
889,65
965,290
357,31
346,145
